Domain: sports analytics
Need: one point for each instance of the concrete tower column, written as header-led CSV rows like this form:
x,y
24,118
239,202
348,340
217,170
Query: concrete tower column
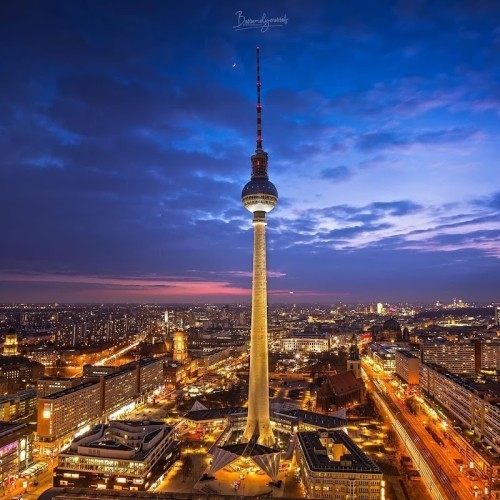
x,y
258,421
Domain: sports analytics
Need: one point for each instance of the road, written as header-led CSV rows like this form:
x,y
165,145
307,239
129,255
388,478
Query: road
x,y
32,492
117,354
439,459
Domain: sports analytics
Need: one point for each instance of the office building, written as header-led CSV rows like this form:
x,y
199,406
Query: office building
x,y
19,371
384,357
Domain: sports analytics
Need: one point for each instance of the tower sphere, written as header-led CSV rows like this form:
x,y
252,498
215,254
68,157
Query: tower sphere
x,y
259,195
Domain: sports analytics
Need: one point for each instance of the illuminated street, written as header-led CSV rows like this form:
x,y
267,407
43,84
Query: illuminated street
x,y
439,459
117,354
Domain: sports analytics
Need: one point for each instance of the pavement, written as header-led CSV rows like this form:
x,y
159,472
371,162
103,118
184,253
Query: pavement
x,y
31,492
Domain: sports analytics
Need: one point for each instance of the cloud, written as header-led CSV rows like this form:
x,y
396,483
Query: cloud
x,y
336,174
373,141
180,286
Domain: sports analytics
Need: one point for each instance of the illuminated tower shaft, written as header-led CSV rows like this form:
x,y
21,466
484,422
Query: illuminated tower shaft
x,y
258,421
259,196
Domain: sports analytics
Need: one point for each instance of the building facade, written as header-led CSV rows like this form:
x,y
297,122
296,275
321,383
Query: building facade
x,y
304,343
488,355
63,414
330,465
475,405
18,405
15,452
456,357
407,366
122,455
50,385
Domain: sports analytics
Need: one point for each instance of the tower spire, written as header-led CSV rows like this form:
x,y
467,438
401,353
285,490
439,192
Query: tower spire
x,y
259,159
259,106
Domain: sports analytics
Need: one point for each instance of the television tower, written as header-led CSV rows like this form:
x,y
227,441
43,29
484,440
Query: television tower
x,y
259,196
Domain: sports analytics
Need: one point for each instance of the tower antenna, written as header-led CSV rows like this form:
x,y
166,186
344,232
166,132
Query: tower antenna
x,y
259,107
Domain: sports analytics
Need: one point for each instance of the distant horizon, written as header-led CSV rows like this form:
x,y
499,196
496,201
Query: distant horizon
x,y
470,305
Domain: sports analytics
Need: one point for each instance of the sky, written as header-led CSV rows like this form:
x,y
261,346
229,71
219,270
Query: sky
x,y
126,130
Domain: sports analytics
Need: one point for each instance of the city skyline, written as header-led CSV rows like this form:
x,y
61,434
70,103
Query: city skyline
x,y
126,135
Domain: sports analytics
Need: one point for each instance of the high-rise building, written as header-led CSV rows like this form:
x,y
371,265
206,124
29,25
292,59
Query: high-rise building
x,y
259,196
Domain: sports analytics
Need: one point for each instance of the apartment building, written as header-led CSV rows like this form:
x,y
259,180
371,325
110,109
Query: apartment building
x,y
456,357
475,405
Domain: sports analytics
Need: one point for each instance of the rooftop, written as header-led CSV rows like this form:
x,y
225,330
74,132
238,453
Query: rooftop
x,y
215,414
315,419
406,354
9,427
344,383
318,459
70,390
121,439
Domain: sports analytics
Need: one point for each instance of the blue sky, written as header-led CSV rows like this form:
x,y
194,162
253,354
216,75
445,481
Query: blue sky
x,y
127,127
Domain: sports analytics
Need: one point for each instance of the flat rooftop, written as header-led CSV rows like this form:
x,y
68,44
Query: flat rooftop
x,y
215,414
315,419
318,460
7,428
70,390
407,354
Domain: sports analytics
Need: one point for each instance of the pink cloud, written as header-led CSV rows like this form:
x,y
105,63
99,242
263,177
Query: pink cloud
x,y
164,286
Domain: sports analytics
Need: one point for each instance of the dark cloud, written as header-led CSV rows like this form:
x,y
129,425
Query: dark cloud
x,y
372,141
336,174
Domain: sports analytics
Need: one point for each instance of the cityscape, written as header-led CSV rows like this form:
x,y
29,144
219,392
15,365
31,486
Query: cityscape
x,y
175,325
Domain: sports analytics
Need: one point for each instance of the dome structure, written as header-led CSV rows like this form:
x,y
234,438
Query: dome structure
x,y
391,325
391,330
